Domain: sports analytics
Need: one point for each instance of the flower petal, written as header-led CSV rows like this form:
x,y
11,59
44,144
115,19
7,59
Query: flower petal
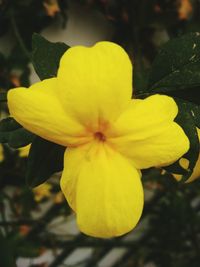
x,y
38,109
95,84
147,135
104,190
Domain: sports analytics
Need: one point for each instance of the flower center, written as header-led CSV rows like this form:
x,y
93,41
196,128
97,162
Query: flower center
x,y
100,136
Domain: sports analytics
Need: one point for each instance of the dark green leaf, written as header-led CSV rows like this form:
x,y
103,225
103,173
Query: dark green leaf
x,y
3,97
28,251
20,138
188,119
177,66
6,253
140,82
9,124
195,111
46,56
17,58
12,133
45,158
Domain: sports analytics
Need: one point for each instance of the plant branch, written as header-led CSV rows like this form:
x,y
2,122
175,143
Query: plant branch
x,y
19,38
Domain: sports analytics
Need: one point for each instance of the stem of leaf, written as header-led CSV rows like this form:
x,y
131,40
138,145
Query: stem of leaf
x,y
3,215
19,38
18,223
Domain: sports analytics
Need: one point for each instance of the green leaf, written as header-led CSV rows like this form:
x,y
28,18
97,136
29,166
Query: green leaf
x,y
194,109
177,66
27,251
9,124
140,82
12,133
7,258
188,119
46,56
3,97
17,138
45,158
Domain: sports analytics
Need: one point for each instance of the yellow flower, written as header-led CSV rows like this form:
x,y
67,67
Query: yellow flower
x,y
1,153
185,163
110,137
42,191
24,151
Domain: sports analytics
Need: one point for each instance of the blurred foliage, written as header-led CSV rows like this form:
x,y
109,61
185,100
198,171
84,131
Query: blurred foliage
x,y
19,19
171,236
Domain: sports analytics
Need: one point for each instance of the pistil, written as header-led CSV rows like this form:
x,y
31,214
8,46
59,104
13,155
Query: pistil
x,y
100,136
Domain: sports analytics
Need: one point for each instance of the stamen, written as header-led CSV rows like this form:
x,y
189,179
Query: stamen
x,y
100,136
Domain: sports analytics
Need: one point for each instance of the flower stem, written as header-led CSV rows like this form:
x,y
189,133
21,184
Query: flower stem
x,y
19,38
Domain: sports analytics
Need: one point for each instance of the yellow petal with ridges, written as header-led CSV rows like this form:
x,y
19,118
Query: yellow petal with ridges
x,y
104,190
38,109
147,134
95,83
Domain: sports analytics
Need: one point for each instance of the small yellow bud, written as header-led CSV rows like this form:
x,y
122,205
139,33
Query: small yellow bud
x,y
42,191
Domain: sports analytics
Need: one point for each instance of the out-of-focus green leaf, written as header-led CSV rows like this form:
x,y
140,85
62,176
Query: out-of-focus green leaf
x,y
17,59
27,251
45,158
177,66
12,133
18,246
3,97
46,56
6,253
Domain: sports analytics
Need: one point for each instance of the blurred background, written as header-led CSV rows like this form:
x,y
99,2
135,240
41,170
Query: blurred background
x,y
37,228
